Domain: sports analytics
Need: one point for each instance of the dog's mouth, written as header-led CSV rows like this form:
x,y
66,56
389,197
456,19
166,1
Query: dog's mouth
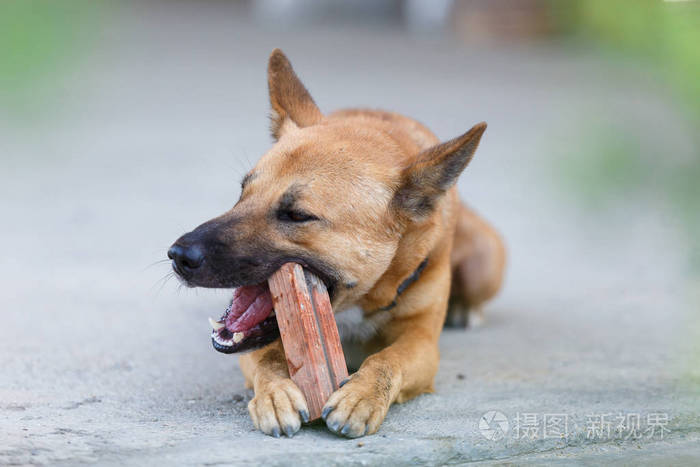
x,y
249,321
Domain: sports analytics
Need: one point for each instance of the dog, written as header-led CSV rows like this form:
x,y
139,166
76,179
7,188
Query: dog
x,y
366,200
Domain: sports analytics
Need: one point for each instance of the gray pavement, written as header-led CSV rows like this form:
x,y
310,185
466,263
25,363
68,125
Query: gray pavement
x,y
149,134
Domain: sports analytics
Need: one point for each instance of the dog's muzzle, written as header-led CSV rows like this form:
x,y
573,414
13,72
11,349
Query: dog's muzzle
x,y
186,259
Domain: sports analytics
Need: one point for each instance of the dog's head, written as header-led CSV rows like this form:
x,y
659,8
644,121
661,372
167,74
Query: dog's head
x,y
332,195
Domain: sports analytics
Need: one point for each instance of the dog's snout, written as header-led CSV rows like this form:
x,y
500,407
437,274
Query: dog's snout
x,y
186,258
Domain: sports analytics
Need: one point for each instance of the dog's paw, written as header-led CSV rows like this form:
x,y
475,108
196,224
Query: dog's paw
x,y
279,408
356,409
476,317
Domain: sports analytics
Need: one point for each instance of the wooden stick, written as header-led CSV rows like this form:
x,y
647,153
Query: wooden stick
x,y
309,334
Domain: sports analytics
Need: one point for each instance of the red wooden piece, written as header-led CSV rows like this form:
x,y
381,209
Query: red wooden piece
x,y
309,334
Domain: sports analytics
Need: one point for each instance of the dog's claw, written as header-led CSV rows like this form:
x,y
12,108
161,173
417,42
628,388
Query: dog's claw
x,y
345,430
334,426
289,431
275,432
304,414
342,383
326,411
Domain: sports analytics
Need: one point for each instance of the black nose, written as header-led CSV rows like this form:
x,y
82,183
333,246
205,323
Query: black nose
x,y
186,258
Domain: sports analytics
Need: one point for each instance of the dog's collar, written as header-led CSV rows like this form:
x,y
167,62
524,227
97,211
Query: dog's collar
x,y
405,284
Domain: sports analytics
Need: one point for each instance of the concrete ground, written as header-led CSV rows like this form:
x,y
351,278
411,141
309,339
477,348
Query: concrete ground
x,y
148,135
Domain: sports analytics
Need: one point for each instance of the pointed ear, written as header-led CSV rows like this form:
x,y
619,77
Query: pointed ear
x,y
291,102
434,171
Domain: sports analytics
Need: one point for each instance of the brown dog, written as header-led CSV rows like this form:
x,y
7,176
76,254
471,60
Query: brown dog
x,y
366,200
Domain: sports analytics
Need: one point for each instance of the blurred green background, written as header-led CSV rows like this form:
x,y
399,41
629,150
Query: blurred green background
x,y
663,37
40,40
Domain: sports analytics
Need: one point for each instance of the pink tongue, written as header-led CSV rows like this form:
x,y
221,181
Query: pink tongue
x,y
251,304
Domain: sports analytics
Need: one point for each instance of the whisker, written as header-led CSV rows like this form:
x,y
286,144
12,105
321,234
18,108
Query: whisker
x,y
157,282
248,164
155,263
161,282
168,277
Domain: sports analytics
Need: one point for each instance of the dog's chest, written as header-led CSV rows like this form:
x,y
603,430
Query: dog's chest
x,y
355,329
354,326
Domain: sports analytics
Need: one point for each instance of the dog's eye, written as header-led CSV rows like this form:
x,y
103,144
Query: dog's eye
x,y
290,215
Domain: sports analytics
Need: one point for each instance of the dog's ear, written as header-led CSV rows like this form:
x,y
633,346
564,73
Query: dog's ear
x,y
434,171
291,102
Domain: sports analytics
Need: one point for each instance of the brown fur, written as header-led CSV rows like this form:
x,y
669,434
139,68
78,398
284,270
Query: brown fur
x,y
383,189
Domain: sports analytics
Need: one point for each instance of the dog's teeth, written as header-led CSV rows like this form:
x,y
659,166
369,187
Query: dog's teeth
x,y
237,337
216,324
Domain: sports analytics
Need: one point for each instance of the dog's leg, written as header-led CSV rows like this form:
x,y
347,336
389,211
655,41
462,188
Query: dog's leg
x,y
478,262
399,372
457,312
278,406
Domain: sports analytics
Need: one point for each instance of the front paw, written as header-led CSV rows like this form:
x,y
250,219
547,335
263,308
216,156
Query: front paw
x,y
357,408
278,407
